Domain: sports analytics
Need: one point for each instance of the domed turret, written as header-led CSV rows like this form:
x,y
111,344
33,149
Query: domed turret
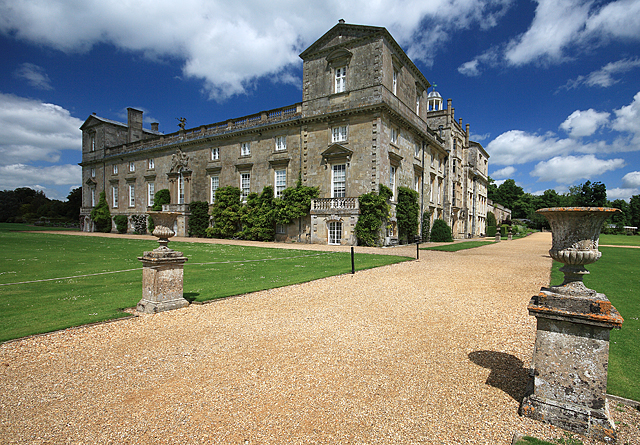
x,y
434,101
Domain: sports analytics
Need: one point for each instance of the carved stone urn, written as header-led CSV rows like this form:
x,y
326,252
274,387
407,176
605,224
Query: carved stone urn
x,y
576,231
571,354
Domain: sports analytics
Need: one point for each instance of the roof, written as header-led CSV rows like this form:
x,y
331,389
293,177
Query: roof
x,y
104,120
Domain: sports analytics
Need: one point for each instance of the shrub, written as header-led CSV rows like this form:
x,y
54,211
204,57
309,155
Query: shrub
x,y
295,202
492,230
139,224
407,213
199,219
122,223
426,222
226,213
151,225
504,230
161,197
441,232
374,212
101,215
258,216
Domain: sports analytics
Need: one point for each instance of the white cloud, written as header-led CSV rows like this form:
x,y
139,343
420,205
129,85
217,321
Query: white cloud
x,y
505,173
479,137
21,175
631,180
229,44
519,147
34,75
34,131
622,193
628,119
584,123
569,169
604,77
469,68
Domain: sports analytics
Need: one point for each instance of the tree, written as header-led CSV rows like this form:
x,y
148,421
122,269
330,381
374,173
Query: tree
x,y
491,224
101,215
73,204
407,214
620,219
199,219
589,195
634,211
492,190
508,193
441,232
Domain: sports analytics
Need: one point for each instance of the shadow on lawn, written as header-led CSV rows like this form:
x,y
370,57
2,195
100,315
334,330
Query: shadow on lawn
x,y
507,372
190,296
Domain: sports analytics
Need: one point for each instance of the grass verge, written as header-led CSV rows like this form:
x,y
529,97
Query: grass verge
x,y
458,246
617,275
620,240
213,271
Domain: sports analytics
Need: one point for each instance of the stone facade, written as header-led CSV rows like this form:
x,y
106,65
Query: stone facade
x,y
363,121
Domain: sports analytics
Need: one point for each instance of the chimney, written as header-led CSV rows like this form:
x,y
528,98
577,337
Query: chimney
x,y
154,126
134,122
466,137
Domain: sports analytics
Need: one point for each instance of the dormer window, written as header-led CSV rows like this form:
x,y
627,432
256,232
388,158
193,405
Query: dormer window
x,y
341,77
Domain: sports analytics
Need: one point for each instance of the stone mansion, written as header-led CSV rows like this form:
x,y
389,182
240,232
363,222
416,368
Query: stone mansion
x,y
366,118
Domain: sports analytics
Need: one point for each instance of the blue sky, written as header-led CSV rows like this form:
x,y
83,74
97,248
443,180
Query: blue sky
x,y
551,88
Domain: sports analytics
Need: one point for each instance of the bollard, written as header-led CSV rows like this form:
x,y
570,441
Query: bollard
x,y
353,264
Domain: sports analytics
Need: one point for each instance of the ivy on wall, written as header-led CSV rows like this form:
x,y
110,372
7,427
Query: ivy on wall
x,y
408,214
374,213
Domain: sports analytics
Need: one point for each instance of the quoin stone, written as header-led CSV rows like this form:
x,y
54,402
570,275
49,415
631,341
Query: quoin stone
x,y
571,354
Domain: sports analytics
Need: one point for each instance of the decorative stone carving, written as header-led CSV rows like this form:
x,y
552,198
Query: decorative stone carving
x,y
162,276
571,354
179,161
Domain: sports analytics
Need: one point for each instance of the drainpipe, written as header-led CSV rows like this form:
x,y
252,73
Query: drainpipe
x,y
473,221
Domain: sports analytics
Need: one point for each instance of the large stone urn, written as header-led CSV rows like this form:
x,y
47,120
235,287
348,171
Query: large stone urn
x,y
162,276
571,354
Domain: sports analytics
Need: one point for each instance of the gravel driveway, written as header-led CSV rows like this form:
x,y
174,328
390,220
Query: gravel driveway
x,y
433,351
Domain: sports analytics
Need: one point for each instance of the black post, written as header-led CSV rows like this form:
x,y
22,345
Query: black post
x,y
353,265
417,250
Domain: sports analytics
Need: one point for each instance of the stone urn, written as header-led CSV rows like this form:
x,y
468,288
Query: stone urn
x,y
575,231
571,353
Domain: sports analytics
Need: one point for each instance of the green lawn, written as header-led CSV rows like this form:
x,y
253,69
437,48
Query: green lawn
x,y
458,246
213,271
617,275
620,240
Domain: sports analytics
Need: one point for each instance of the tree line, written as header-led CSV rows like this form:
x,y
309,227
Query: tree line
x,y
524,205
27,205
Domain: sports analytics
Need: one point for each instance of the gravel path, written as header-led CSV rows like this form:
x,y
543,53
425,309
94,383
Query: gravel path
x,y
433,351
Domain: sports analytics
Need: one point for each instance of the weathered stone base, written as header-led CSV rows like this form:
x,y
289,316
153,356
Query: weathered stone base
x,y
595,423
152,307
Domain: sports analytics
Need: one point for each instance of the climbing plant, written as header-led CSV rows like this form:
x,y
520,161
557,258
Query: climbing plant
x,y
226,213
258,216
199,218
101,215
408,214
374,213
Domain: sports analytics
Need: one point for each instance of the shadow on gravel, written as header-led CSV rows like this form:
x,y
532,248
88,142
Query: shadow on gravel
x,y
507,372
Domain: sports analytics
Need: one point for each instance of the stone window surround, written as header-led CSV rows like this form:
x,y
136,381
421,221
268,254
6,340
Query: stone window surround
x,y
279,187
339,60
151,188
339,133
213,172
114,193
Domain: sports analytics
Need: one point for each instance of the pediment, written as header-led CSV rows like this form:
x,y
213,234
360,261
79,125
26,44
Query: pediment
x,y
337,151
91,182
340,56
340,35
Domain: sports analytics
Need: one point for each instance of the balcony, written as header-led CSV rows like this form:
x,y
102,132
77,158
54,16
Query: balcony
x,y
175,208
335,205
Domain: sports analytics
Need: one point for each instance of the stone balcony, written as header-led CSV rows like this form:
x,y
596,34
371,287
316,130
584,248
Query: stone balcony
x,y
335,205
175,208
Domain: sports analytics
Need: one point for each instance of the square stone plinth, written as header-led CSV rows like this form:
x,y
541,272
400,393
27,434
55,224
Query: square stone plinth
x,y
162,283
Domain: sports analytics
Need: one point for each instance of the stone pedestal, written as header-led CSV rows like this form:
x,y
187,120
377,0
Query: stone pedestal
x,y
162,274
571,354
570,362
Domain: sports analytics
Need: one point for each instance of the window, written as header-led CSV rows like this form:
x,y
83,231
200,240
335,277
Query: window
x,y
392,181
281,181
180,189
416,183
417,103
281,143
115,169
338,180
215,154
394,135
114,195
245,185
339,134
93,197
151,164
245,149
215,183
151,189
395,81
416,149
335,232
132,166
132,195
281,229
93,142
93,172
341,77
